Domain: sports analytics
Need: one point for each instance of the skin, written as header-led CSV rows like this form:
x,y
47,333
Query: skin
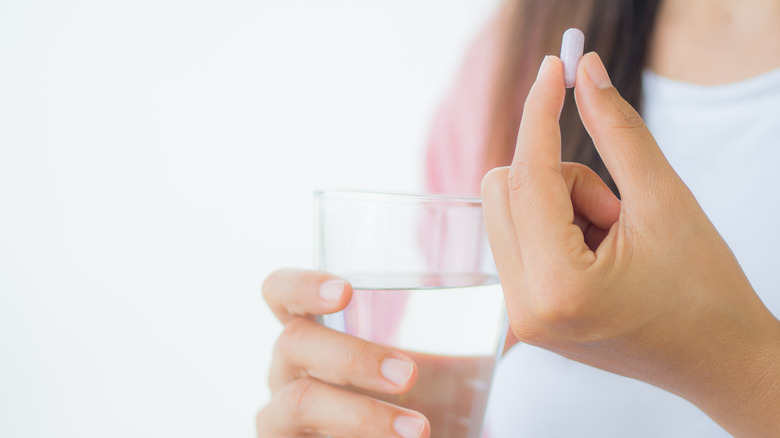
x,y
724,40
601,281
307,355
659,297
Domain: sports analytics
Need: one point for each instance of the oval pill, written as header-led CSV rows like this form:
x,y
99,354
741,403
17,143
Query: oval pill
x,y
571,51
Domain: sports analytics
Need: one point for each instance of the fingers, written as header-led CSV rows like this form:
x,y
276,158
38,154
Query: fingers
x,y
621,137
295,292
504,244
596,210
306,348
540,201
500,228
590,196
540,118
308,407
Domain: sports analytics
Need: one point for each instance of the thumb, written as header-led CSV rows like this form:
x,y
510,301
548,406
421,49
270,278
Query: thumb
x,y
622,139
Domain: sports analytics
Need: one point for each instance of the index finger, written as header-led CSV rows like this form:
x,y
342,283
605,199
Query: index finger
x,y
296,292
542,211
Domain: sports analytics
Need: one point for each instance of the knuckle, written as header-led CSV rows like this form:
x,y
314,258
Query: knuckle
x,y
277,375
524,174
560,302
574,170
357,354
555,309
494,180
299,397
572,173
628,121
624,118
368,414
494,188
518,177
293,333
571,311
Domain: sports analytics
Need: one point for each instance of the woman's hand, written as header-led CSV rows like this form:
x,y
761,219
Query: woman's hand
x,y
310,362
644,286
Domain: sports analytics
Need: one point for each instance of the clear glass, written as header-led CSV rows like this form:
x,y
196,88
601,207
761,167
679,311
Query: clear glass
x,y
424,283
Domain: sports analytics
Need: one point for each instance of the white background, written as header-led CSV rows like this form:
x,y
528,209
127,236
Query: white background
x,y
157,159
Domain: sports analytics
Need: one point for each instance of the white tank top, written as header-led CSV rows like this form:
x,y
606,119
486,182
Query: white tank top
x,y
724,141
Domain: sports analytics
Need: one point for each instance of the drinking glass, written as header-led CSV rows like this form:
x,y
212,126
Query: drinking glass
x,y
424,283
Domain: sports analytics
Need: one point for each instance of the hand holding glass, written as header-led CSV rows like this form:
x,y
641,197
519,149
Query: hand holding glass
x,y
423,283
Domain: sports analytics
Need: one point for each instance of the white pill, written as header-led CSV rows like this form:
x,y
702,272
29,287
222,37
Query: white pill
x,y
571,51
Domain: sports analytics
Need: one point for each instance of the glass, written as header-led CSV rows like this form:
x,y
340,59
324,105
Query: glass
x,y
424,283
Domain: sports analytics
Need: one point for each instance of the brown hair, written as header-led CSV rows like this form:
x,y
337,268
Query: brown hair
x,y
618,30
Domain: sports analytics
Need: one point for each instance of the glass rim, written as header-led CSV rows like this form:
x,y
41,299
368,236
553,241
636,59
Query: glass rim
x,y
347,194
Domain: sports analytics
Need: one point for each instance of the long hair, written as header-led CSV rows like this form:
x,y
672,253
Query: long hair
x,y
618,30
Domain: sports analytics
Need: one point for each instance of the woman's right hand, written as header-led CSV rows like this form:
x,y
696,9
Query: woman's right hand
x,y
311,362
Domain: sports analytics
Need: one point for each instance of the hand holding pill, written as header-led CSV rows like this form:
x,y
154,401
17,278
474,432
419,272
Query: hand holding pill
x,y
609,282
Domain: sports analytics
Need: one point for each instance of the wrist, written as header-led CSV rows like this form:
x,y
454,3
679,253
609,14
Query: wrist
x,y
737,382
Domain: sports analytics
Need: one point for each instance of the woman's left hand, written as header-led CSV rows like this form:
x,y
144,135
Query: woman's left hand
x,y
644,286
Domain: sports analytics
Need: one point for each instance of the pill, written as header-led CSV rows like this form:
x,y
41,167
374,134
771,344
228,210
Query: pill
x,y
571,51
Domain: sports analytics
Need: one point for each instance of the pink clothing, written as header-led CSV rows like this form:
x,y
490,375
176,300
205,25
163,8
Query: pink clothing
x,y
455,158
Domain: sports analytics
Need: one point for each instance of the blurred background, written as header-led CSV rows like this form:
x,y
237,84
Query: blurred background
x,y
157,160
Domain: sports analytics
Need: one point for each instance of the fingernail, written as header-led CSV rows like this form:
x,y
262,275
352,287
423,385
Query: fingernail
x,y
331,290
409,427
543,66
396,370
597,73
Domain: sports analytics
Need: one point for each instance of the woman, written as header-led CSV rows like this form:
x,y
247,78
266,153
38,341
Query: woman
x,y
644,286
